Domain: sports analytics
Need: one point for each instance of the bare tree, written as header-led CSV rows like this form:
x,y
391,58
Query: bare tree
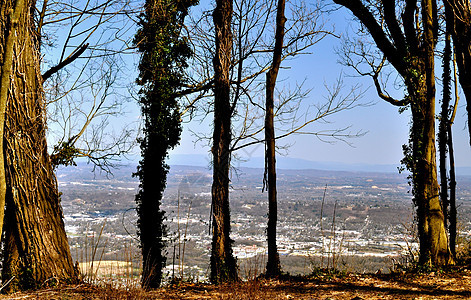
x,y
273,268
458,19
223,263
405,35
445,143
82,121
443,127
251,57
86,81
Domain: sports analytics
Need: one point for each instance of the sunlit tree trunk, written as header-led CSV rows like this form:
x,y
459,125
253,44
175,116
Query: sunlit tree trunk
x,y
8,40
433,239
434,248
36,251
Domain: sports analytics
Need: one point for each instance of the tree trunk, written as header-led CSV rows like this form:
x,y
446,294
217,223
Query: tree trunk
x,y
410,50
443,127
452,200
223,263
433,239
164,51
451,155
36,251
152,172
273,268
9,39
431,227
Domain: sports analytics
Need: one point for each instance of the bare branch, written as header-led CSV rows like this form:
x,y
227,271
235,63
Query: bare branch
x,y
383,96
73,56
377,33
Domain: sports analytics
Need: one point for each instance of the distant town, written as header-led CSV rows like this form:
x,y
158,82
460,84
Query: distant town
x,y
352,221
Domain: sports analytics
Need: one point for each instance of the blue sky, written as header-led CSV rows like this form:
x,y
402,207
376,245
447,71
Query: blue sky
x,y
386,129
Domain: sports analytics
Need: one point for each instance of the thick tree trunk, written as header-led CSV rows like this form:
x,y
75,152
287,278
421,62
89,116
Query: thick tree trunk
x,y
431,227
36,251
153,173
223,263
164,51
434,249
273,268
8,41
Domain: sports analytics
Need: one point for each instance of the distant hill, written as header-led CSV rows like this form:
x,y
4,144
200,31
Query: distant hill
x,y
185,163
289,163
84,172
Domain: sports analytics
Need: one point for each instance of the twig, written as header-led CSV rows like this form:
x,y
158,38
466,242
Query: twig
x,y
3,286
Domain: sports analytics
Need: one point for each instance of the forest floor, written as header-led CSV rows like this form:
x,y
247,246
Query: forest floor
x,y
450,285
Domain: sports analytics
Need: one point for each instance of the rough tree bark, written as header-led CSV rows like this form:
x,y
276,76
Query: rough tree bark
x,y
223,263
9,37
36,250
410,51
273,268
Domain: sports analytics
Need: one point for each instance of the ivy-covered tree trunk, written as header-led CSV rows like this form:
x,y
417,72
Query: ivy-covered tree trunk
x,y
36,251
152,172
434,248
223,263
164,54
420,158
433,238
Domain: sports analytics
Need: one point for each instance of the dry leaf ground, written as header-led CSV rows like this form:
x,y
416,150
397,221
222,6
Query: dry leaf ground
x,y
452,285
